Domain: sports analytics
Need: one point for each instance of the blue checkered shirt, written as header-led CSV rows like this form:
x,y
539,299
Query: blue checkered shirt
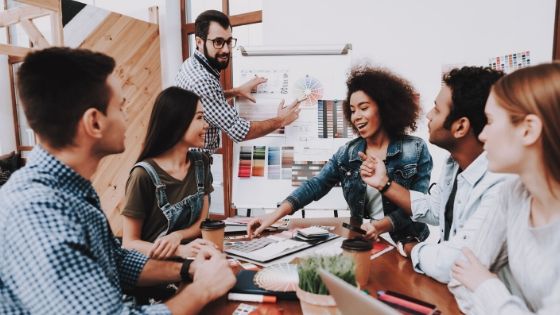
x,y
198,76
57,253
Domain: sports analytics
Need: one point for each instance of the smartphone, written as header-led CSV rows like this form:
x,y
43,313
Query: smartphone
x,y
353,228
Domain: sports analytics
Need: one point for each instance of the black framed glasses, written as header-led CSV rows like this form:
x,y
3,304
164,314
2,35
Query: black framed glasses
x,y
220,42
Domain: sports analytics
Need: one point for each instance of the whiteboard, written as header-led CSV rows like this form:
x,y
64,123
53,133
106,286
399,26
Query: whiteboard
x,y
258,181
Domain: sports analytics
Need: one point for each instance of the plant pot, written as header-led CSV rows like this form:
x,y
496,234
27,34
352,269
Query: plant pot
x,y
316,304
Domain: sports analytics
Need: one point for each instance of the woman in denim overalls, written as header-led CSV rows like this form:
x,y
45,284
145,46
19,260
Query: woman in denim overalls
x,y
176,125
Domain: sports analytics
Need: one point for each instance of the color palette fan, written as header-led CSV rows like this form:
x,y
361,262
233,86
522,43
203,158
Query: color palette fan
x,y
280,277
310,89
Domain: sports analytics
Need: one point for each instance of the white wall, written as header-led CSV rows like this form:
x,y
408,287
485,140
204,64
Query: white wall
x,y
415,38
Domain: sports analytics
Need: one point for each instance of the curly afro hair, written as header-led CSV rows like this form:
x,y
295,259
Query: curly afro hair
x,y
396,99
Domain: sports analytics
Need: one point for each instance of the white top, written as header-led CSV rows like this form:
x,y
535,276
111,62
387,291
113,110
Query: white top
x,y
532,255
477,191
374,203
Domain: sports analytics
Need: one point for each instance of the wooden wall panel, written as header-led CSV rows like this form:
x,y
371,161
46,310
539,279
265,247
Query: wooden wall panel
x,y
135,46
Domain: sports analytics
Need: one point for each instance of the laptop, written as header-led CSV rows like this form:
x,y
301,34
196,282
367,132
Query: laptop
x,y
350,300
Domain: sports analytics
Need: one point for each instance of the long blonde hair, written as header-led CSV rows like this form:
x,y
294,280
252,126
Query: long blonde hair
x,y
535,90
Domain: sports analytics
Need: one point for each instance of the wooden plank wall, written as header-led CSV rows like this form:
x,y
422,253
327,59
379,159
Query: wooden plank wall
x,y
135,46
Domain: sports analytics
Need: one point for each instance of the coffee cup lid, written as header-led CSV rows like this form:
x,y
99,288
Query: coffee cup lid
x,y
212,224
358,244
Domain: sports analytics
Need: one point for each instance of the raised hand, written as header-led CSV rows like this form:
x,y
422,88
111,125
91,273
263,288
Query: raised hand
x,y
248,87
373,171
288,113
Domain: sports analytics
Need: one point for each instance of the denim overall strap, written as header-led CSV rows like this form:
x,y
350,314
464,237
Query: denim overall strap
x,y
199,170
161,196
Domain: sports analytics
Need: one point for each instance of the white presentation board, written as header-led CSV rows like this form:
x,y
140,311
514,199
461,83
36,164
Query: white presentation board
x,y
268,169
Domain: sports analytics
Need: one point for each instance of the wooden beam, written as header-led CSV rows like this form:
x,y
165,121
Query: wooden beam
x,y
53,5
153,15
15,15
15,51
556,39
246,18
225,7
14,59
35,36
235,20
57,29
14,105
184,35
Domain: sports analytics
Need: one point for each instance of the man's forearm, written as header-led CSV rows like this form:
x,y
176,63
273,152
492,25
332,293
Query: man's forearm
x,y
231,93
159,271
190,300
262,128
400,196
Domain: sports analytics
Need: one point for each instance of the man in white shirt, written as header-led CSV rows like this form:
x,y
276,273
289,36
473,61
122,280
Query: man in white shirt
x,y
466,191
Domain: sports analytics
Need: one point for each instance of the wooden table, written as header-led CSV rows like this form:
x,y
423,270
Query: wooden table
x,y
390,271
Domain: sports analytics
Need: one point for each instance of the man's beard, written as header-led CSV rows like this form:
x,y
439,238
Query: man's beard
x,y
214,61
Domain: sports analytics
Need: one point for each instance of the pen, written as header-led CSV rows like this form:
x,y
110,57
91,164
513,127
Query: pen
x,y
382,296
251,298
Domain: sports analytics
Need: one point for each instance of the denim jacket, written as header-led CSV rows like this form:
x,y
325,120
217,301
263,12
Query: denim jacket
x,y
408,163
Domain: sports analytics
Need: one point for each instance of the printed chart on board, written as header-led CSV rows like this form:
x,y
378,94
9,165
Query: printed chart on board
x,y
268,169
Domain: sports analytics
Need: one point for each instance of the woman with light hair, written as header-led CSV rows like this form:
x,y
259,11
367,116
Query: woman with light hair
x,y
520,240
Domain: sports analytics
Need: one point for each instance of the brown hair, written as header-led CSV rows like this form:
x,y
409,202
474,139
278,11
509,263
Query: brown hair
x,y
535,90
57,85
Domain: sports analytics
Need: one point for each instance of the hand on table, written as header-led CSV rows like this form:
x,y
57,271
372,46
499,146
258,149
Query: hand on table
x,y
165,247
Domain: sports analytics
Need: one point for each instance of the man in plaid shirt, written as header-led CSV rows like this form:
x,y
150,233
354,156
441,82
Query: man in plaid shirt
x,y
201,74
57,252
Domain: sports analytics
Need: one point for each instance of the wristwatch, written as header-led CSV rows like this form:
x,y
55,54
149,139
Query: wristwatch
x,y
185,276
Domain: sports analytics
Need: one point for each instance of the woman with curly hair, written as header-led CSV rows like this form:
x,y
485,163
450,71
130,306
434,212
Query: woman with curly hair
x,y
383,109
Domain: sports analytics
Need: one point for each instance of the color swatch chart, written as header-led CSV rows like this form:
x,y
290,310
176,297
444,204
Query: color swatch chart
x,y
511,62
272,162
304,170
331,122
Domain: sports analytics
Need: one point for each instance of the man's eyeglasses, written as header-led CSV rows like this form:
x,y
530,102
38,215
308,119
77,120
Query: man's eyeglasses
x,y
220,42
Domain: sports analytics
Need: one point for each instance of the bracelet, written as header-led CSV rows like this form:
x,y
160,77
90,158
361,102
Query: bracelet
x,y
185,276
386,187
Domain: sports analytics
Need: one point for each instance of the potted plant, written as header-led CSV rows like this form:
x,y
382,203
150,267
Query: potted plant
x,y
312,290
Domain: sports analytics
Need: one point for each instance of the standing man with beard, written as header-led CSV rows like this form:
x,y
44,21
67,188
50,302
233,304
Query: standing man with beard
x,y
201,74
